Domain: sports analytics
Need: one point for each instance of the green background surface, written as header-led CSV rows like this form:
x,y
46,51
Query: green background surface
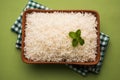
x,y
11,65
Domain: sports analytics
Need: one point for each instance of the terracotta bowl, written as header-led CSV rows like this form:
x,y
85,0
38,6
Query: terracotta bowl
x,y
68,11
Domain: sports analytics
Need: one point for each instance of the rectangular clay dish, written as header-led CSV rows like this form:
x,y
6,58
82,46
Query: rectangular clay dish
x,y
68,11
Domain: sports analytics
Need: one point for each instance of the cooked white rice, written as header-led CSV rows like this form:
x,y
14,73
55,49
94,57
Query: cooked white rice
x,y
47,37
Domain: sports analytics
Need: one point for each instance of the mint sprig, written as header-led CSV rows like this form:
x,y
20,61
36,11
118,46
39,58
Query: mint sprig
x,y
76,36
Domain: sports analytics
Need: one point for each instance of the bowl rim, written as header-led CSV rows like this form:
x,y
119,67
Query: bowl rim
x,y
24,59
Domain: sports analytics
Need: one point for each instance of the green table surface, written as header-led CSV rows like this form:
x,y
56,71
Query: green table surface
x,y
11,65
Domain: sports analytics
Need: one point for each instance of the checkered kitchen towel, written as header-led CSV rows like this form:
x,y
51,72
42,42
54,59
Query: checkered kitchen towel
x,y
83,70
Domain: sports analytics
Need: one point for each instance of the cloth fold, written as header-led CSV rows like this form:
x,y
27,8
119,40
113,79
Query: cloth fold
x,y
83,70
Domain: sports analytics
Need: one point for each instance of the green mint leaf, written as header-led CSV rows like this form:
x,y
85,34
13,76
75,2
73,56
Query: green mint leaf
x,y
72,35
78,33
74,42
81,41
76,36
